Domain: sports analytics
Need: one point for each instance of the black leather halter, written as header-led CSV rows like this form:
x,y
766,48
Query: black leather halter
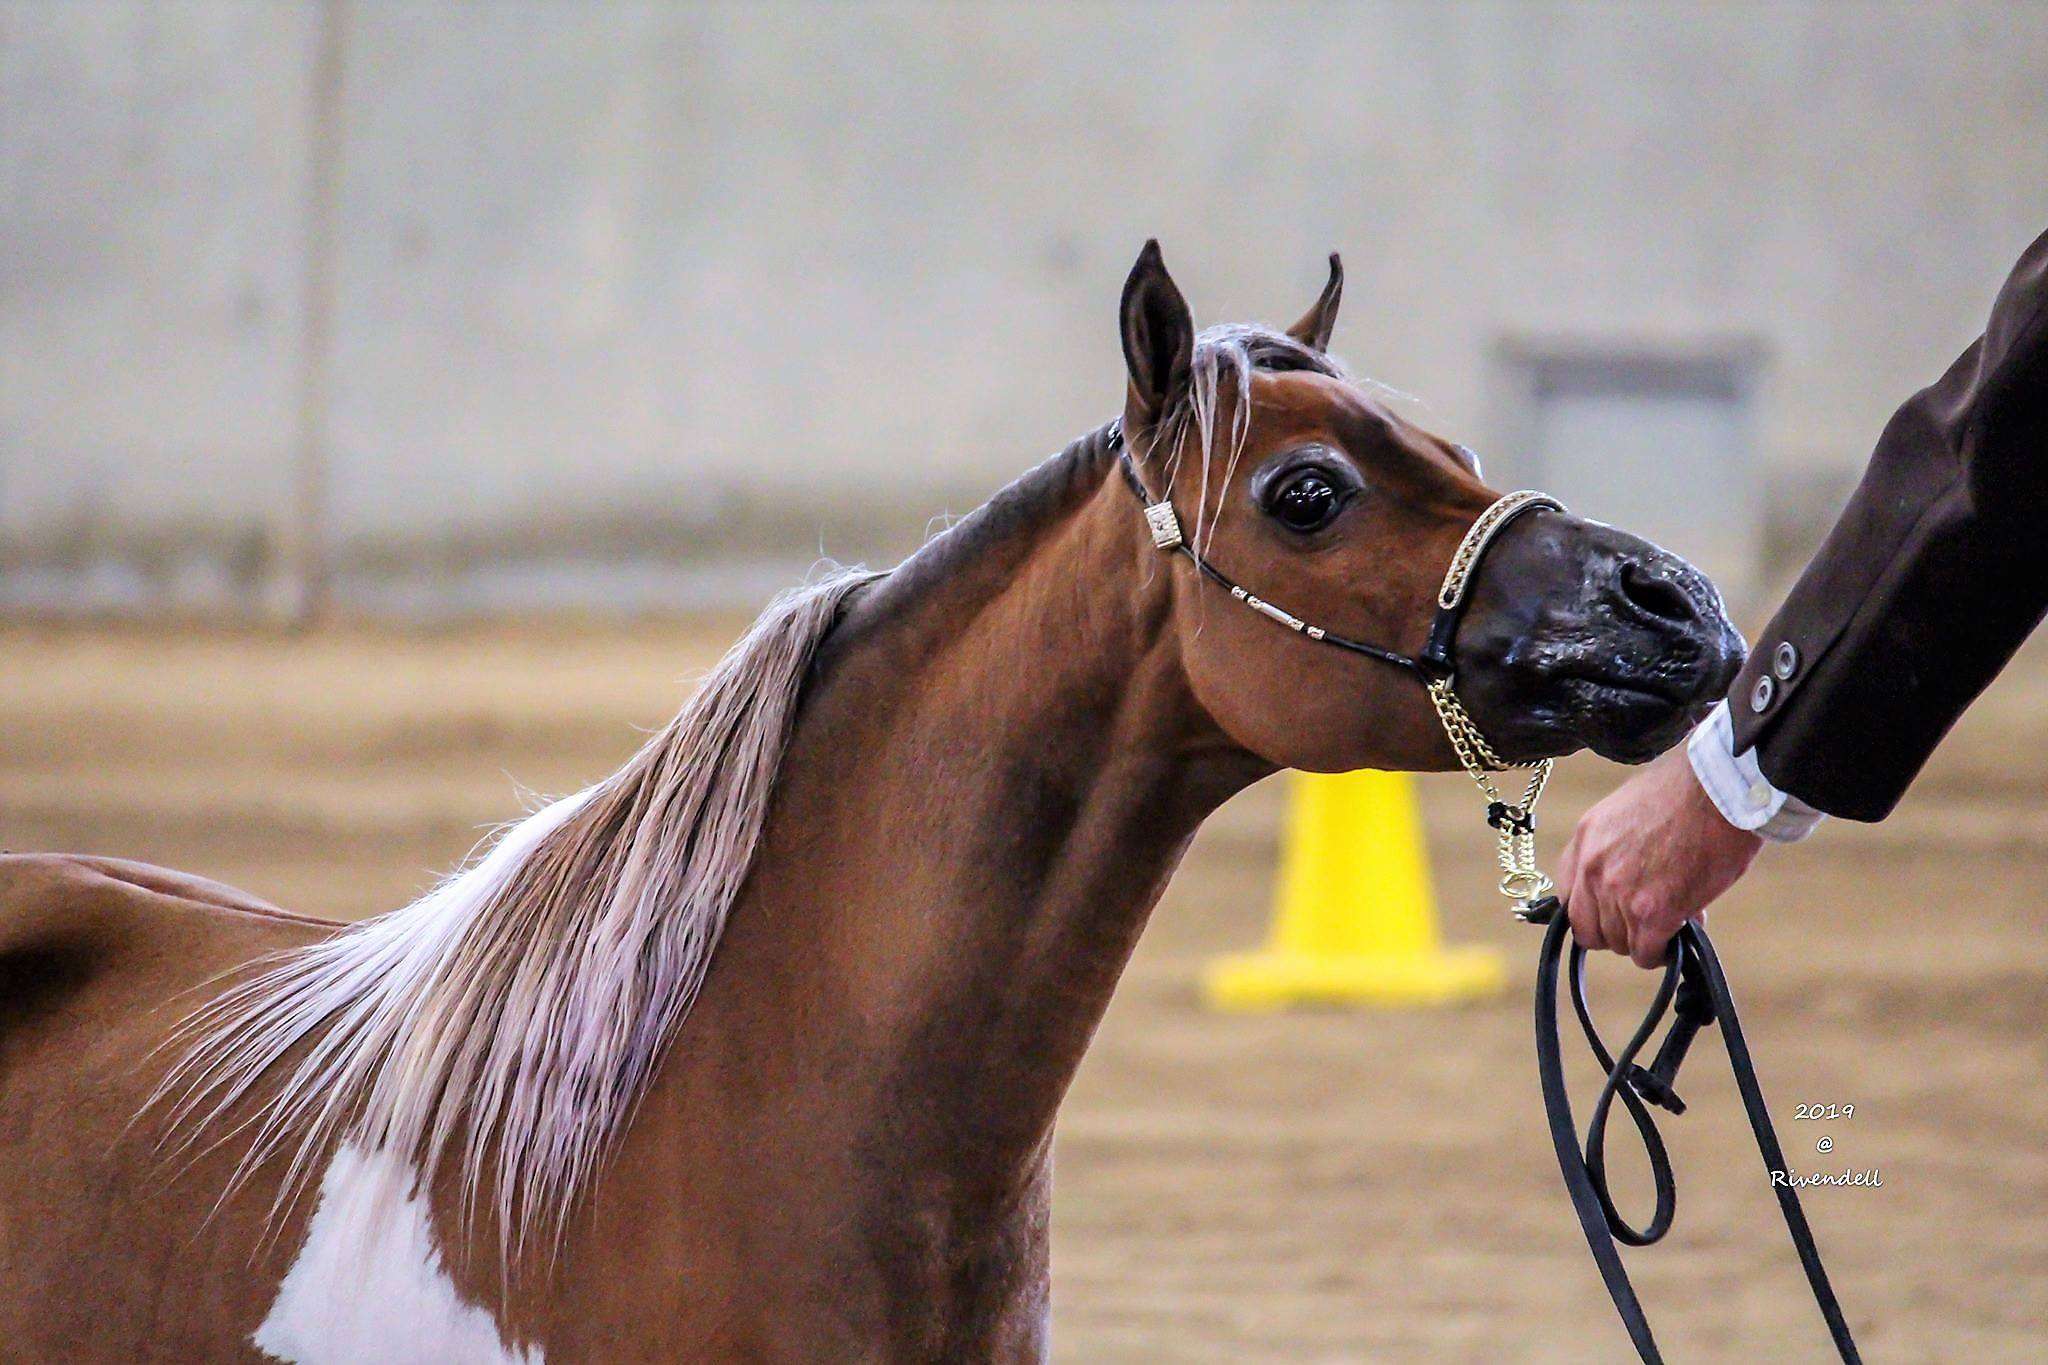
x,y
1435,667
1437,661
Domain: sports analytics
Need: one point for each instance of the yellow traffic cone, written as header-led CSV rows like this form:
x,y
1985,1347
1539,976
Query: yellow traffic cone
x,y
1356,919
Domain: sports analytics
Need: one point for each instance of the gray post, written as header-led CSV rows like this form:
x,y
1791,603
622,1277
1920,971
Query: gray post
x,y
300,591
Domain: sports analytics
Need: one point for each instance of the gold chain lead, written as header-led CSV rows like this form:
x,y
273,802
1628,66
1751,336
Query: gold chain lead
x,y
1514,822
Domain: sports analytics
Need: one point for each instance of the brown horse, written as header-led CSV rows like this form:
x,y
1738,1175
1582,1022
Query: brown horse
x,y
921,817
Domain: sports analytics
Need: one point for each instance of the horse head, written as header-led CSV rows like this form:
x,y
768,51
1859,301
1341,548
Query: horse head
x,y
1304,495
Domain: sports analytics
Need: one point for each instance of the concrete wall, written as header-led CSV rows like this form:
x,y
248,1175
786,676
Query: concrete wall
x,y
693,291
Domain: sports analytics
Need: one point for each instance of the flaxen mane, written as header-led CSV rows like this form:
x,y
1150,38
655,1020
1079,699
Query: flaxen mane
x,y
511,1018
506,1024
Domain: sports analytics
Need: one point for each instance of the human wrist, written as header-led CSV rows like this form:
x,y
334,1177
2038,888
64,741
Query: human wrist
x,y
1711,823
1736,788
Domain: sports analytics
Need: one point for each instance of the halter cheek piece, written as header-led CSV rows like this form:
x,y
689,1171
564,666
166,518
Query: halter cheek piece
x,y
1692,982
1435,667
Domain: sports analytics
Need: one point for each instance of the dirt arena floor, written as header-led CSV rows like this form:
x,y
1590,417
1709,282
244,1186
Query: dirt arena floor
x,y
1312,1187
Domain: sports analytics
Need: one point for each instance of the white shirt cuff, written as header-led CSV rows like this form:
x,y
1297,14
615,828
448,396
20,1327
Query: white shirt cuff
x,y
1738,787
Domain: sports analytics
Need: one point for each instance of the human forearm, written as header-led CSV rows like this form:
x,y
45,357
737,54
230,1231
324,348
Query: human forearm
x,y
1925,586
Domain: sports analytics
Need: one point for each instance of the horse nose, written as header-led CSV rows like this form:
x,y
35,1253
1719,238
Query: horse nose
x,y
1674,607
1653,586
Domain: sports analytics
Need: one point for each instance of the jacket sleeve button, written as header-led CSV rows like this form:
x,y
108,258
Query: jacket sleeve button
x,y
1760,695
1784,660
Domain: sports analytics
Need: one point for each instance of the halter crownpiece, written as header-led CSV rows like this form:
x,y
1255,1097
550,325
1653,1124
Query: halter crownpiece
x,y
1435,666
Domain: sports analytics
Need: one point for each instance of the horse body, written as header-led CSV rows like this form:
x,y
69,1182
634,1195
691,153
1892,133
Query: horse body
x,y
794,1185
844,1152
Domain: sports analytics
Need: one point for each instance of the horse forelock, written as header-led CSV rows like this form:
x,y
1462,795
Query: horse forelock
x,y
505,1025
1219,374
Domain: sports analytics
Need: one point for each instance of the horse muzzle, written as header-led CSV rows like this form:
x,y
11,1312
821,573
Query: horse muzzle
x,y
1583,636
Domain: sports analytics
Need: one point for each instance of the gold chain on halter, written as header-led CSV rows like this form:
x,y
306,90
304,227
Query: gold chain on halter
x,y
1478,536
1513,821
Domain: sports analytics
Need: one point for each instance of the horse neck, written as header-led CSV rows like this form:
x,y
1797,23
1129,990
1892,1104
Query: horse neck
x,y
997,766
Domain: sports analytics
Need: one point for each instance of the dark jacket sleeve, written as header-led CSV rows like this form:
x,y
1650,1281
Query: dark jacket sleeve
x,y
1931,579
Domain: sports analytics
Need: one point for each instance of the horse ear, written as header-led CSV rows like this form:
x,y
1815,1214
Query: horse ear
x,y
1159,337
1313,331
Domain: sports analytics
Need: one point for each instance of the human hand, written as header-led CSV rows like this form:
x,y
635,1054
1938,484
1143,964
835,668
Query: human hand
x,y
1648,857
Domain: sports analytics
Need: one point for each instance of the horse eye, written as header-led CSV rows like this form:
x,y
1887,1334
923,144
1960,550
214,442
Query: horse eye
x,y
1306,502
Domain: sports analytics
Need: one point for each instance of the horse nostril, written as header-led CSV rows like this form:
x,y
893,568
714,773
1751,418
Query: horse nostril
x,y
1657,594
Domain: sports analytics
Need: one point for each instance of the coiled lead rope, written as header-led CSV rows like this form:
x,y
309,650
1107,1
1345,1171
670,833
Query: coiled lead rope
x,y
1694,983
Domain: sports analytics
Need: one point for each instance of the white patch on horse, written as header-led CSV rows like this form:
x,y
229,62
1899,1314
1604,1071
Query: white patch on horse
x,y
369,1283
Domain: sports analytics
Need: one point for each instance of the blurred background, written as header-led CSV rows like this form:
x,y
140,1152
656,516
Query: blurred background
x,y
445,308
400,399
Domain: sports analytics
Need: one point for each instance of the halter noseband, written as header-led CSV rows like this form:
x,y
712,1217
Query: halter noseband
x,y
1435,667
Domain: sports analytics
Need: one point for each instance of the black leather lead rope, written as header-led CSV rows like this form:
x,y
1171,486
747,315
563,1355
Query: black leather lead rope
x,y
1694,982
